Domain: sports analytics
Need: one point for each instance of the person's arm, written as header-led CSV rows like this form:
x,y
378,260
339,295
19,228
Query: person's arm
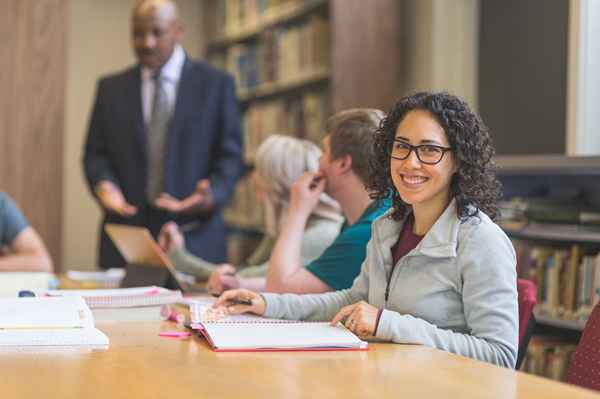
x,y
28,254
228,166
187,263
285,264
99,175
96,162
488,274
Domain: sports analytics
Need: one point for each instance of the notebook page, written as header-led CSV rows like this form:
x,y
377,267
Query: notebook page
x,y
281,336
61,337
67,312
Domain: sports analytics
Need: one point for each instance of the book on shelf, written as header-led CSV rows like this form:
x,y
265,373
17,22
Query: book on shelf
x,y
237,16
284,54
302,116
567,280
548,357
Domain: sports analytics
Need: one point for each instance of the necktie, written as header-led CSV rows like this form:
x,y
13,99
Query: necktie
x,y
157,139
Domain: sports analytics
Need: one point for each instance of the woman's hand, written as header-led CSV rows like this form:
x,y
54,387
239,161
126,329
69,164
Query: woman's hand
x,y
170,237
221,279
361,318
234,300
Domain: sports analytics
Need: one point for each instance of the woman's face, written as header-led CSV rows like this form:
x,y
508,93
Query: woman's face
x,y
420,184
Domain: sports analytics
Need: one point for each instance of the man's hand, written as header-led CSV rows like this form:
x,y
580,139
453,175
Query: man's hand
x,y
221,279
360,318
170,237
111,198
305,193
201,200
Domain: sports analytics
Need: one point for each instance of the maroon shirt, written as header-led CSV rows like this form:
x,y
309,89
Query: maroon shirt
x,y
406,242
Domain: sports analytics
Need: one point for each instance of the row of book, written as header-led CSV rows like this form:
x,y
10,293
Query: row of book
x,y
244,211
567,279
301,116
284,54
548,357
234,16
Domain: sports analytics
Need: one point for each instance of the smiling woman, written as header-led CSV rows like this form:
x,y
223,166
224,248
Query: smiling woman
x,y
438,272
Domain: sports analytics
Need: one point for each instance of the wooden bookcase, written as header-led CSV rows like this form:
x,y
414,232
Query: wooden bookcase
x,y
561,256
298,61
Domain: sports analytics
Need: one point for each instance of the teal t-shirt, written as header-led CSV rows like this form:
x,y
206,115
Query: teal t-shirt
x,y
12,221
339,265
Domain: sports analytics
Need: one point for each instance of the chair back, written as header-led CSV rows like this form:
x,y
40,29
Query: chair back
x,y
584,369
527,297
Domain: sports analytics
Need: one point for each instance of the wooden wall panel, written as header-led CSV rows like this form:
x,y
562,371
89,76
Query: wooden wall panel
x,y
32,107
366,59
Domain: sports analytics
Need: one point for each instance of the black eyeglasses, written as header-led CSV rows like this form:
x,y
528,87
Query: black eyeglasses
x,y
429,154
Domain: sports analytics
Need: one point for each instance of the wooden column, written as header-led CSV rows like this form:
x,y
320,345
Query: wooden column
x,y
365,51
32,106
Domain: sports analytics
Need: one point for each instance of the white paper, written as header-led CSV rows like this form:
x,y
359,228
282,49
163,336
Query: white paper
x,y
45,312
308,335
47,321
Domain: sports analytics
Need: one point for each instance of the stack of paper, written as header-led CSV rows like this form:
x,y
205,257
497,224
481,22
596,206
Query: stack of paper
x,y
123,297
48,322
124,304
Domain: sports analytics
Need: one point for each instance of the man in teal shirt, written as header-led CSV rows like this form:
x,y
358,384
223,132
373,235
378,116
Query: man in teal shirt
x,y
343,170
21,248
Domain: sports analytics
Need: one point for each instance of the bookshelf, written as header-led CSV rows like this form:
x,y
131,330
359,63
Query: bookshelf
x,y
558,247
296,62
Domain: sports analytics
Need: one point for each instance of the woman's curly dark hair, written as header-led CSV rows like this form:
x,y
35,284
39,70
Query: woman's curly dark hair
x,y
474,185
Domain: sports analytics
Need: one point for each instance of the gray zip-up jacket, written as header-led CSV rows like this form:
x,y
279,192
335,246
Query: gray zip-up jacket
x,y
456,291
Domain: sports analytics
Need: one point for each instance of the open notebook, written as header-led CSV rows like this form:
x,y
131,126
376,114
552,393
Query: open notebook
x,y
48,322
122,297
241,333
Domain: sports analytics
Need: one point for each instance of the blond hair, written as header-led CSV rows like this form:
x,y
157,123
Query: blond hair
x,y
280,161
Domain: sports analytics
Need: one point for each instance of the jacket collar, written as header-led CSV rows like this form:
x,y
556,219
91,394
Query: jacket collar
x,y
440,241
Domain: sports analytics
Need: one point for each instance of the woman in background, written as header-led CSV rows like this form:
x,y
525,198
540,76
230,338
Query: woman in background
x,y
438,272
280,160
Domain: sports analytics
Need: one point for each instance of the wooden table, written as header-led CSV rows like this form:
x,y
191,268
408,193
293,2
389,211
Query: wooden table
x,y
140,364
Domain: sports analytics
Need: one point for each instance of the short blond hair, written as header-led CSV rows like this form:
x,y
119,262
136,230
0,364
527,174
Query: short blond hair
x,y
280,160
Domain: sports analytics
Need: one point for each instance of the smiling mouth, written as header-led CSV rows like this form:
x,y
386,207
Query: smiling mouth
x,y
413,180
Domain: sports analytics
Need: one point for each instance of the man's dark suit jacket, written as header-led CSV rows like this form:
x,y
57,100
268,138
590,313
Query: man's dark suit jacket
x,y
204,141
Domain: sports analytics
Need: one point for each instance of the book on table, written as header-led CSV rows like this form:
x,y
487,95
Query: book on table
x,y
48,321
249,333
123,297
125,304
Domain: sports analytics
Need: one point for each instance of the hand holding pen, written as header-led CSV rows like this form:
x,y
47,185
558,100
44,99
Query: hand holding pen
x,y
241,301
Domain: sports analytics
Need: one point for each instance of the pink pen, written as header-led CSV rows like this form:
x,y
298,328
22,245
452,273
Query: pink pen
x,y
174,334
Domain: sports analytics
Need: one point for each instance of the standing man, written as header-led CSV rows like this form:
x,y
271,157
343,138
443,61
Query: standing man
x,y
164,139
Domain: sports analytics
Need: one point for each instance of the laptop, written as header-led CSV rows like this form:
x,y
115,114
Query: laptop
x,y
147,264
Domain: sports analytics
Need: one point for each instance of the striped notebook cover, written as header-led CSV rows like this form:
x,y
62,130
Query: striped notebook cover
x,y
123,297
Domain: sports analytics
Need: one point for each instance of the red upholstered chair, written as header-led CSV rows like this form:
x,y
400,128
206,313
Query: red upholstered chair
x,y
527,297
584,369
